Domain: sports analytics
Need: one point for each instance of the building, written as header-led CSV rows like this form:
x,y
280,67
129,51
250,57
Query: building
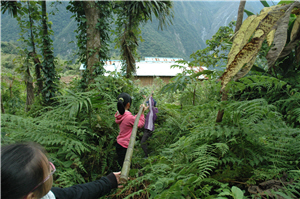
x,y
150,68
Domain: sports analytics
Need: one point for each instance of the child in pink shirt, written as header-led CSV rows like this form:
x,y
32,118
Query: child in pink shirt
x,y
125,120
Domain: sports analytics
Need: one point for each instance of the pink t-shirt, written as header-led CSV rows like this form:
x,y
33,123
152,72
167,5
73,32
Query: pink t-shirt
x,y
126,122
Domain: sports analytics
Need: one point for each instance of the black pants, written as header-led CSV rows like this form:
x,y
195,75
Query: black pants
x,y
147,134
121,152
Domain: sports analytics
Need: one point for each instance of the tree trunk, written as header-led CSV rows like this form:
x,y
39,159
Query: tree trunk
x,y
10,87
221,112
45,28
194,96
297,53
93,38
29,90
48,67
37,68
33,54
2,107
239,20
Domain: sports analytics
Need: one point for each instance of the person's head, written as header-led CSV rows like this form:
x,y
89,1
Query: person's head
x,y
25,171
124,102
143,92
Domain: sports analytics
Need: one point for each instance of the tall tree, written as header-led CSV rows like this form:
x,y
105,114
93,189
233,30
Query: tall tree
x,y
33,53
93,18
29,87
93,43
48,67
130,15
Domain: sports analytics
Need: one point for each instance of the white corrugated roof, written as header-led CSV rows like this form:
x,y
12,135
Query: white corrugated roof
x,y
159,68
156,69
148,68
82,67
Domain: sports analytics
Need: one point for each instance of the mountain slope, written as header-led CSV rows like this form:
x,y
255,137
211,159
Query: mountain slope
x,y
194,23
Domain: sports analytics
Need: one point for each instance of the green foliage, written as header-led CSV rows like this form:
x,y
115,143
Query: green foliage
x,y
12,7
234,192
191,156
215,54
11,92
65,130
279,93
8,62
78,131
9,47
194,157
130,16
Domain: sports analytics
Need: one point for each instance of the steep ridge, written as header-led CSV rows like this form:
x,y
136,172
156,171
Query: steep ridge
x,y
194,23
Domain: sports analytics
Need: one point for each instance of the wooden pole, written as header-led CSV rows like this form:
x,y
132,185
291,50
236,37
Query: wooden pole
x,y
128,156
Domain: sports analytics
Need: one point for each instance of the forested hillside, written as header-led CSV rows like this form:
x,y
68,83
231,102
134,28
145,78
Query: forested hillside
x,y
194,23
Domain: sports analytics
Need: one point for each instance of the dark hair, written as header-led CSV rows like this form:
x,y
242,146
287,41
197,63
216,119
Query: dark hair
x,y
123,99
21,170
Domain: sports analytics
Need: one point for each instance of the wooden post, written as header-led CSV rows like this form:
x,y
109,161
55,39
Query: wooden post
x,y
128,156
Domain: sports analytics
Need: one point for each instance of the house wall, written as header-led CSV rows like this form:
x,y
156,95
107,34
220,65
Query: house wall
x,y
148,80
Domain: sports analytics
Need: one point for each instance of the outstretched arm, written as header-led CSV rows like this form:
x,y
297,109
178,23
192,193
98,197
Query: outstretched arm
x,y
91,190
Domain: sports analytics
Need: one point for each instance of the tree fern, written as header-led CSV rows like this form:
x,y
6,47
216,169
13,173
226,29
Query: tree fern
x,y
65,131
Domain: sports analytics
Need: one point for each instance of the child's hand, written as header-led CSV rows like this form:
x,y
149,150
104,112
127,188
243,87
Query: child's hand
x,y
118,175
144,108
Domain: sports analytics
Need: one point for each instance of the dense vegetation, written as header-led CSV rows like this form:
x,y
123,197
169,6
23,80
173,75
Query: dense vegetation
x,y
253,152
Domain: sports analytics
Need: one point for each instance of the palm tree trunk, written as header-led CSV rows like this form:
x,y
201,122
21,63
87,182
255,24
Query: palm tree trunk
x,y
239,20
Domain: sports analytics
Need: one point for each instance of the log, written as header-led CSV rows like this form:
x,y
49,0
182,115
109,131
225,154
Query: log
x,y
128,156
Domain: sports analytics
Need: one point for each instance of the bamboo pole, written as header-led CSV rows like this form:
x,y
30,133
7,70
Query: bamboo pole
x,y
128,156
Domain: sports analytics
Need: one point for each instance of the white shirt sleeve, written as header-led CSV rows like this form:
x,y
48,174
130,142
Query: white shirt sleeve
x,y
49,195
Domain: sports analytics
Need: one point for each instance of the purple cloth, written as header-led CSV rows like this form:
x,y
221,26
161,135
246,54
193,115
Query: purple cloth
x,y
151,116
